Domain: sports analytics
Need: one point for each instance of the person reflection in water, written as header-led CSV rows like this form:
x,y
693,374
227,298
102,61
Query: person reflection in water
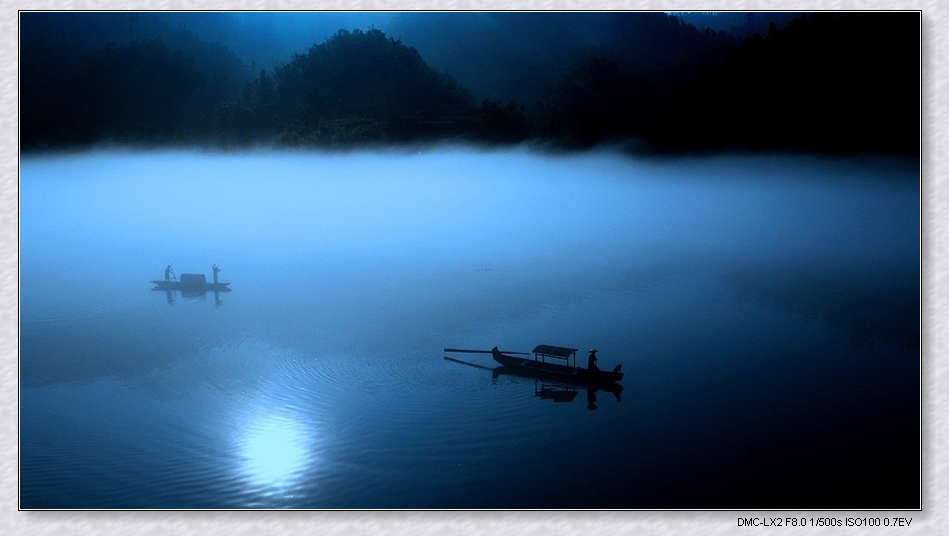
x,y
215,269
591,361
591,398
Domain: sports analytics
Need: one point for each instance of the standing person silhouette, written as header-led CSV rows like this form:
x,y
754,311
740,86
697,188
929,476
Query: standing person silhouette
x,y
168,273
215,269
591,361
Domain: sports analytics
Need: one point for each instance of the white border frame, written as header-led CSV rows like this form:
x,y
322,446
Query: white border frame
x,y
935,311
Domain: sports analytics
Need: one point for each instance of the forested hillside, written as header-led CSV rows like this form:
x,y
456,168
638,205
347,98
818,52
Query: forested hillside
x,y
827,82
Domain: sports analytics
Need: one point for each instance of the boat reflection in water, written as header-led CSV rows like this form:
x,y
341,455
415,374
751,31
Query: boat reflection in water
x,y
193,295
560,391
555,393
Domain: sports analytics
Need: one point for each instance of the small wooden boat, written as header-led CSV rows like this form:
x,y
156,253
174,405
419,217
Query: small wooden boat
x,y
191,283
538,366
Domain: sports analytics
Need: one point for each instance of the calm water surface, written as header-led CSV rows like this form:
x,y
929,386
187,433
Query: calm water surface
x,y
765,311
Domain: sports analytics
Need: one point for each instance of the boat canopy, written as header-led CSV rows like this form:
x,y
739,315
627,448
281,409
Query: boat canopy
x,y
543,351
193,280
554,351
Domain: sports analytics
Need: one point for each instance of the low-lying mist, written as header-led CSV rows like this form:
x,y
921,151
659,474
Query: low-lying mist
x,y
369,248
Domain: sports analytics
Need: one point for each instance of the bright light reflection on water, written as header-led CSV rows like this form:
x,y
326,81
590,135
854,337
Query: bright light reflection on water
x,y
274,452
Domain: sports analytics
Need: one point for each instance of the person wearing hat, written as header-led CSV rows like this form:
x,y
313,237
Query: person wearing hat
x,y
591,361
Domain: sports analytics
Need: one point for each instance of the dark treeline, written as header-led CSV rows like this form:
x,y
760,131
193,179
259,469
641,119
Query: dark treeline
x,y
827,82
838,83
357,87
163,90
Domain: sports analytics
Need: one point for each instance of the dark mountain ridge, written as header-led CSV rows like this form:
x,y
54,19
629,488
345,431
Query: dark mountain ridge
x,y
648,77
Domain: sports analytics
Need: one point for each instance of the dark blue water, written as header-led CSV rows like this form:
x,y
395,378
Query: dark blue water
x,y
765,311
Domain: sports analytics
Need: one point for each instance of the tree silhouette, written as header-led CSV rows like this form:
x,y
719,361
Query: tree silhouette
x,y
828,82
134,93
598,101
365,86
502,123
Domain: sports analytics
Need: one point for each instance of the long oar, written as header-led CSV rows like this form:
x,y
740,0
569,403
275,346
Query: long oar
x,y
460,350
475,365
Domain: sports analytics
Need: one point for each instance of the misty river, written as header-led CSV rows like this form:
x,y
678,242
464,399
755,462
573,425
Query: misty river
x,y
765,310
